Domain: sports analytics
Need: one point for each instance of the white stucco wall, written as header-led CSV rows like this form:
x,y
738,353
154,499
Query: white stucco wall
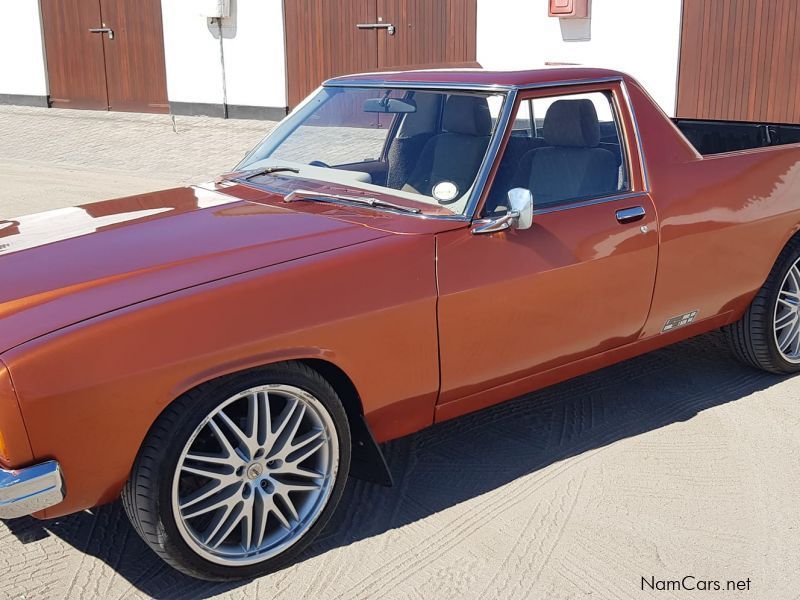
x,y
191,52
253,49
22,62
640,38
255,61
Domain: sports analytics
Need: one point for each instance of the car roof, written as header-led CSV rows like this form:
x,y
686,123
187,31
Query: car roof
x,y
480,77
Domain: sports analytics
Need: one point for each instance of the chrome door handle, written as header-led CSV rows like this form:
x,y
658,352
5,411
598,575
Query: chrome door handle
x,y
390,29
629,215
107,30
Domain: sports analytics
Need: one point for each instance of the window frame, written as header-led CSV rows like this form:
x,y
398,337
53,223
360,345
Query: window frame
x,y
626,130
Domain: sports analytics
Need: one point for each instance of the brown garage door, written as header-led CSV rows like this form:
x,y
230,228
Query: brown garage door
x,y
323,40
739,60
118,66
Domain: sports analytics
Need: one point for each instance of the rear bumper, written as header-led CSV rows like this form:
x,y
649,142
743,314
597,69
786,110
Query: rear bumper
x,y
28,490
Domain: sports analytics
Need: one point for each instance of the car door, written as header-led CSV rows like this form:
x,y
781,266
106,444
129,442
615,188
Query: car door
x,y
517,303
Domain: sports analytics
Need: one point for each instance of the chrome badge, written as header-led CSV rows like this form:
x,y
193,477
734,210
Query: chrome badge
x,y
679,321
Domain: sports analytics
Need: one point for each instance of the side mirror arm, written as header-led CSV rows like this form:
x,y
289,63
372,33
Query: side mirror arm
x,y
506,221
520,201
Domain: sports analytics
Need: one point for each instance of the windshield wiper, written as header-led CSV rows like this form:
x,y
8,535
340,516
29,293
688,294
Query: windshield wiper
x,y
340,199
245,175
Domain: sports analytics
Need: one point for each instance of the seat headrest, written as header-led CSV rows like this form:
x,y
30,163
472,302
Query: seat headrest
x,y
468,115
571,123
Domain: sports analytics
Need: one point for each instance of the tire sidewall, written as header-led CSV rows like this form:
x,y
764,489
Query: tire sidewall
x,y
217,393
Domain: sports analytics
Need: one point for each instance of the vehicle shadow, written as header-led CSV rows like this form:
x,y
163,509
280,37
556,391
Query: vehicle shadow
x,y
464,458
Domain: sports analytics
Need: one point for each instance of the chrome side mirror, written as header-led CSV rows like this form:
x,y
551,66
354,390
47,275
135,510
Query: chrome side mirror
x,y
519,215
520,201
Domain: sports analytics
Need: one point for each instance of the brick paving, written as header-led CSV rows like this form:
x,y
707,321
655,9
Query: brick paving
x,y
52,158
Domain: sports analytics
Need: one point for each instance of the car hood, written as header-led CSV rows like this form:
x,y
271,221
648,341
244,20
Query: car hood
x,y
63,266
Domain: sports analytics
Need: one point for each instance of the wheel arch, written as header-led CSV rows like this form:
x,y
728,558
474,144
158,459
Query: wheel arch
x,y
367,460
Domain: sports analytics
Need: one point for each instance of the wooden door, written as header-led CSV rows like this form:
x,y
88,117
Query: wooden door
x,y
136,77
322,39
438,33
75,63
739,60
120,71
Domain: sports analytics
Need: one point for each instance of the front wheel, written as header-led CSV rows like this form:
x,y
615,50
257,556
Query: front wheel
x,y
768,335
238,476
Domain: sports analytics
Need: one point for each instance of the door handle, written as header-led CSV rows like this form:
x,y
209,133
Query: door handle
x,y
107,30
629,215
390,29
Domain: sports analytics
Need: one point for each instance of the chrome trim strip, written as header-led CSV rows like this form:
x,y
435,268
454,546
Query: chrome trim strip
x,y
591,202
563,82
423,85
632,112
28,490
444,85
503,123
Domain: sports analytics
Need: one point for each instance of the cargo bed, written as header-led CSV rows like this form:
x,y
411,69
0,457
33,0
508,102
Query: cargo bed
x,y
716,137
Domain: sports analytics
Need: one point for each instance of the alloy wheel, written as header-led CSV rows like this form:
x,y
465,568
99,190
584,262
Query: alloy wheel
x,y
255,475
786,319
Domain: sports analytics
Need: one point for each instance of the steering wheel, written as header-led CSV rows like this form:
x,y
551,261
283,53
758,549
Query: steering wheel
x,y
319,163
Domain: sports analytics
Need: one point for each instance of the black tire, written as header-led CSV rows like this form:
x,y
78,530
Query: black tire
x,y
752,337
147,494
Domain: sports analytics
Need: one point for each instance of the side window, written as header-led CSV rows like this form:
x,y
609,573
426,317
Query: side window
x,y
524,125
563,149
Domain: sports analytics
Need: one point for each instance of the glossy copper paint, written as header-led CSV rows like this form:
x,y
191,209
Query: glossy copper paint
x,y
148,307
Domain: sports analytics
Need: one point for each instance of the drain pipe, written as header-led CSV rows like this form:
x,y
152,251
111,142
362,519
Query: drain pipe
x,y
222,63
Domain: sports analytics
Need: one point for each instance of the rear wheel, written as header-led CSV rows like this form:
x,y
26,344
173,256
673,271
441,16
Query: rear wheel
x,y
238,476
768,335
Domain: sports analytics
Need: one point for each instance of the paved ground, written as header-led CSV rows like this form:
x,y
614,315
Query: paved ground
x,y
677,463
56,158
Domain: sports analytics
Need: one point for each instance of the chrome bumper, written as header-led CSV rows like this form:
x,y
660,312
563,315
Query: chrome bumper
x,y
25,491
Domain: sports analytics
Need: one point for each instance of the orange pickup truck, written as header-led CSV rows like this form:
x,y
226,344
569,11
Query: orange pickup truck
x,y
402,249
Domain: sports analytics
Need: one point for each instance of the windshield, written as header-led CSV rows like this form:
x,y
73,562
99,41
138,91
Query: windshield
x,y
424,147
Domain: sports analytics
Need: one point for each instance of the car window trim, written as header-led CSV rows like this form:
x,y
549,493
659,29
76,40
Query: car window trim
x,y
502,127
580,203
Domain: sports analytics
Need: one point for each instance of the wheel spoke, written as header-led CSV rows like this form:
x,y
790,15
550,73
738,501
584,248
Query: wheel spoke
x,y
794,278
794,345
275,510
789,337
305,450
260,514
222,439
784,320
244,442
263,420
207,500
223,525
290,506
293,469
210,459
210,473
287,427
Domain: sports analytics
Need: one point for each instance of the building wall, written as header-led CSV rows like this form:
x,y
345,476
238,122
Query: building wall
x,y
640,38
23,78
254,58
